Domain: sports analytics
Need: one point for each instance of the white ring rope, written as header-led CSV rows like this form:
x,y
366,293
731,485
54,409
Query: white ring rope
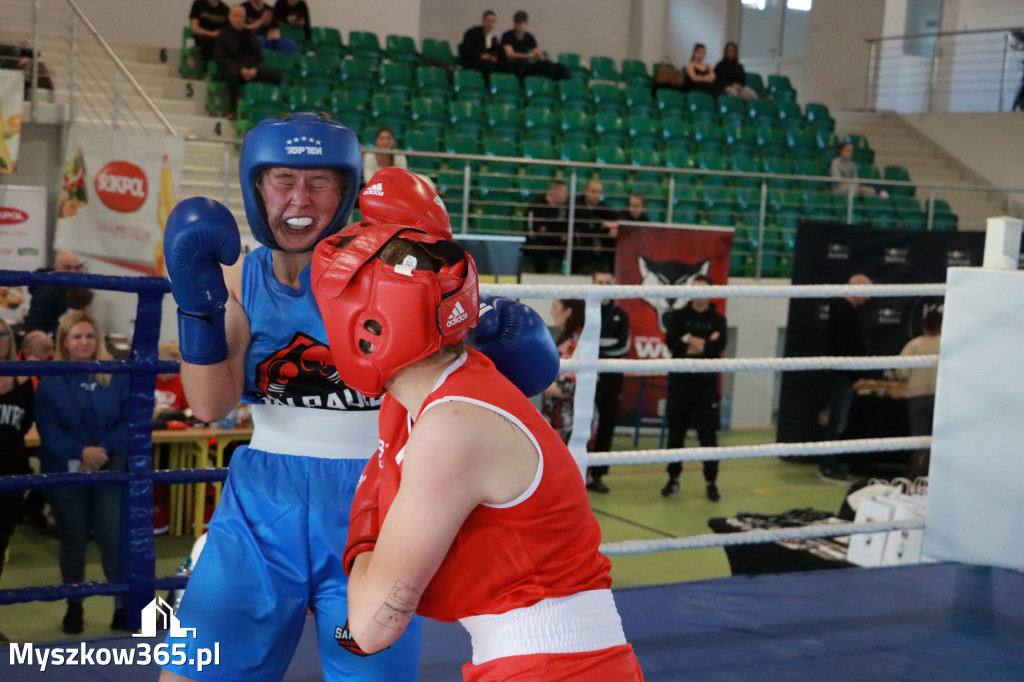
x,y
587,366
699,365
825,447
752,537
714,291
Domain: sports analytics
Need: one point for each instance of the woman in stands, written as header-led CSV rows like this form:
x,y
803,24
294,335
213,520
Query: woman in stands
x,y
698,76
373,162
730,74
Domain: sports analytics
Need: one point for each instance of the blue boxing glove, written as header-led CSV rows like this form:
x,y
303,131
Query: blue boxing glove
x,y
518,342
201,234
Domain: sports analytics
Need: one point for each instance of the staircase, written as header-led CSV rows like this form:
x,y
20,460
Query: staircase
x,y
897,143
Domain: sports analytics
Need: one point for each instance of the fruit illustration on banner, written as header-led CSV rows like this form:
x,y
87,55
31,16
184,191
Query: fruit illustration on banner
x,y
165,202
72,192
6,163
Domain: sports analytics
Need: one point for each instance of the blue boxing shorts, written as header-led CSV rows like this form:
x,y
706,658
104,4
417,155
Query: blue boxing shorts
x,y
274,547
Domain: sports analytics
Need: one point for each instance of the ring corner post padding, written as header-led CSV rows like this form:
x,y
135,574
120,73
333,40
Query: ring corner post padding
x,y
976,481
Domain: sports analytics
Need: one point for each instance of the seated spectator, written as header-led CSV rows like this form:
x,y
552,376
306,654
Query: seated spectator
x,y
920,387
259,19
698,76
595,230
37,346
480,48
169,394
48,301
15,421
547,227
206,20
730,74
524,57
293,13
373,162
844,169
637,209
239,58
83,426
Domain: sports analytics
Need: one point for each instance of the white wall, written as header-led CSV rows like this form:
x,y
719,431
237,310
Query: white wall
x,y
695,21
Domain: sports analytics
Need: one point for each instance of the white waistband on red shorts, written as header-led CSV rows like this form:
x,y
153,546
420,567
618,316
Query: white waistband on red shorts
x,y
307,432
586,621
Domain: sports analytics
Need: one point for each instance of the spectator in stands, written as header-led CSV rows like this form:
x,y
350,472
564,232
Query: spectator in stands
x,y
844,169
524,57
259,19
480,48
614,344
568,315
37,346
730,74
16,404
373,162
293,13
637,209
239,58
83,426
698,76
547,226
697,330
596,229
207,19
844,337
49,301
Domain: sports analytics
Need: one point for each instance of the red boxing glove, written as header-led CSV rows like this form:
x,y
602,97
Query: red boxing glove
x,y
364,519
397,196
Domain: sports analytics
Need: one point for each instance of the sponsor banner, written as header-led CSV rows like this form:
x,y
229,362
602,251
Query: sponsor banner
x,y
12,96
22,241
662,255
117,191
830,254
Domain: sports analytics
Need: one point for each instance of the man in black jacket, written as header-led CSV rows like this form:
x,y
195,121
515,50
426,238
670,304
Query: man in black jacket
x,y
547,226
238,57
614,344
481,48
697,330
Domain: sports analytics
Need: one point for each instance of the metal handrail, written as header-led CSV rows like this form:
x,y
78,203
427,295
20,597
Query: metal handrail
x,y
943,34
79,15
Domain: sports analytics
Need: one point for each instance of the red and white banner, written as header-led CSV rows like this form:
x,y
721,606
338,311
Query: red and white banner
x,y
118,188
22,241
12,96
649,255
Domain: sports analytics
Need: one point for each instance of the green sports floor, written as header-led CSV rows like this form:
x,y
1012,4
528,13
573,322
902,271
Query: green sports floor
x,y
633,510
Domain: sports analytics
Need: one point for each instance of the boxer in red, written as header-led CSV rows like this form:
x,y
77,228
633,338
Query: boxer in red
x,y
472,508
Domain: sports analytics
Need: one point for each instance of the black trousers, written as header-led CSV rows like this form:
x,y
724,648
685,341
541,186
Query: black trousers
x,y
10,512
606,401
692,404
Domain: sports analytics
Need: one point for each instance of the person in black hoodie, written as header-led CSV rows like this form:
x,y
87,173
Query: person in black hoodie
x,y
238,56
16,398
697,330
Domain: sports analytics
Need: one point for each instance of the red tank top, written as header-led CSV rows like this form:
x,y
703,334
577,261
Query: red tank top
x,y
543,544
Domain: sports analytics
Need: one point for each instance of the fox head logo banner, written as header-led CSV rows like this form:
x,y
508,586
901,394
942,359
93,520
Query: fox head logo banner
x,y
654,273
302,374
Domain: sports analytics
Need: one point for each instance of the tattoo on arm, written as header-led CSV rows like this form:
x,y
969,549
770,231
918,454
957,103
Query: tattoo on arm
x,y
400,606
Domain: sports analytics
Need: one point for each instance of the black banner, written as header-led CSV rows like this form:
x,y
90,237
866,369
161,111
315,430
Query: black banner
x,y
827,253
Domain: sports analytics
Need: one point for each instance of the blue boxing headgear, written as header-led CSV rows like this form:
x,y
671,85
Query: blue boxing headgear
x,y
305,141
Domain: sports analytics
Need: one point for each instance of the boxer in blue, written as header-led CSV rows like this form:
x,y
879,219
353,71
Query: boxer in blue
x,y
251,331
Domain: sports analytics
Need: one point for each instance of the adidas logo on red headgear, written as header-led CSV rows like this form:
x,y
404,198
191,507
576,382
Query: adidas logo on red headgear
x,y
376,189
458,315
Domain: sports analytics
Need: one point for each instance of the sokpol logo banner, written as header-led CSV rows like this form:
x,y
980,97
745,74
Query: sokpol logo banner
x,y
117,190
22,241
12,89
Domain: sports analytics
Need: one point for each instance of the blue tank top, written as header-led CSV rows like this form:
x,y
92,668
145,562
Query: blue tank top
x,y
288,361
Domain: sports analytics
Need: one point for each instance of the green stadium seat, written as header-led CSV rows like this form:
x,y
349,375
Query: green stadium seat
x,y
800,138
634,72
316,70
359,71
811,167
606,97
504,88
429,114
284,62
639,101
432,81
819,115
611,154
898,174
504,119
540,91
541,119
644,132
909,215
438,52
400,49
501,146
461,144
466,117
397,77
604,69
680,158
713,162
573,93
422,142
676,133
324,41
862,152
191,64
728,104
315,98
789,112
699,101
467,83
388,110
824,206
742,163
450,187
671,103
615,193
756,83
609,127
364,44
296,33
874,211
574,63
639,156
259,101
778,82
762,109
577,152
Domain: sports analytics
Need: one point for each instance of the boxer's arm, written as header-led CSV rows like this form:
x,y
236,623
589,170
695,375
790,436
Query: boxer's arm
x,y
458,456
214,390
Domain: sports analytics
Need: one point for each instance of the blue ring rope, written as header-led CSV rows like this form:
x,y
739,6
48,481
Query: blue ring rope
x,y
137,580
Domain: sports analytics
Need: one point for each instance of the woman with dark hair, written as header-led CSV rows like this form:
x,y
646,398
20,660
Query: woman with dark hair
x,y
373,162
83,426
730,74
15,421
697,75
557,405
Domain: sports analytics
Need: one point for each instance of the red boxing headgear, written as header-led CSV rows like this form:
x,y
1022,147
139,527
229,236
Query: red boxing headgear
x,y
382,318
397,196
